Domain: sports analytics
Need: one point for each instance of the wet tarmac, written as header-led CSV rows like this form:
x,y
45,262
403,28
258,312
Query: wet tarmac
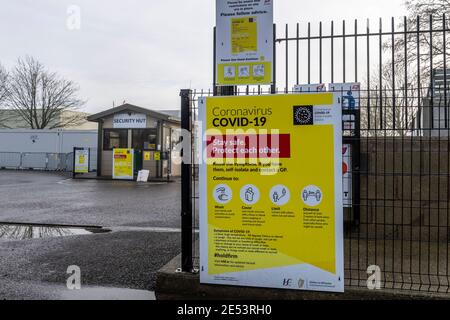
x,y
54,199
49,222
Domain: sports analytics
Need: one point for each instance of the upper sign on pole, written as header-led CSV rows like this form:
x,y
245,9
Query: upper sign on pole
x,y
244,42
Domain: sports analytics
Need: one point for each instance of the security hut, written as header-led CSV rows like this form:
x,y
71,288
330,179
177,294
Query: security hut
x,y
152,135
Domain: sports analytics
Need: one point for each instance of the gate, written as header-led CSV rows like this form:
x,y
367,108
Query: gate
x,y
398,222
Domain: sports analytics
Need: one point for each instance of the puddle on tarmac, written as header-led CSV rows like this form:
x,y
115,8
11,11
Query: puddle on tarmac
x,y
24,232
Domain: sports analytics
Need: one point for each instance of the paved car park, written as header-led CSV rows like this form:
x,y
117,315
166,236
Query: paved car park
x,y
143,219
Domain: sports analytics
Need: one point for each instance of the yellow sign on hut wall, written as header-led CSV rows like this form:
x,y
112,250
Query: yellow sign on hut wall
x,y
123,164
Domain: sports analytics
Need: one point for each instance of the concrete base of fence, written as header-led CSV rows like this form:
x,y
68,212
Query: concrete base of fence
x,y
405,188
173,285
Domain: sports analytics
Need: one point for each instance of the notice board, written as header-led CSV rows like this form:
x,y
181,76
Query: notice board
x,y
271,191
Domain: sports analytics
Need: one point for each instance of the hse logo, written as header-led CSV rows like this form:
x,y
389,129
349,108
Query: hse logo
x,y
289,282
303,116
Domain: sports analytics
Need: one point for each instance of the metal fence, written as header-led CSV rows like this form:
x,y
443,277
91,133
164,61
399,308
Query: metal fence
x,y
400,217
41,161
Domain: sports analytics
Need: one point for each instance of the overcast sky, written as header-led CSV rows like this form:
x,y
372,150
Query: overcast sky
x,y
143,51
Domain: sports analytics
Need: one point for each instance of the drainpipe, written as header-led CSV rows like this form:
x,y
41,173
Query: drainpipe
x,y
160,142
99,147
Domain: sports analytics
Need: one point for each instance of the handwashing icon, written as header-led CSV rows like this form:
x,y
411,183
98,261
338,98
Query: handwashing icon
x,y
222,194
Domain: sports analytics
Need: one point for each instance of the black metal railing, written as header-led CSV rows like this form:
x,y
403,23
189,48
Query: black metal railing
x,y
399,220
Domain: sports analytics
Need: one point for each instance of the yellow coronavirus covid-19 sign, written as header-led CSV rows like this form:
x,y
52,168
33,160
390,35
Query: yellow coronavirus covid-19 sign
x,y
123,164
271,191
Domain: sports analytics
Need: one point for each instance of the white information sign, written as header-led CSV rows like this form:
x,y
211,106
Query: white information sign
x,y
317,87
244,42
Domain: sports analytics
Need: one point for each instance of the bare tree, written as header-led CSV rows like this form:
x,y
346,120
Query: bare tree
x,y
406,74
3,83
3,93
426,43
43,99
420,50
393,104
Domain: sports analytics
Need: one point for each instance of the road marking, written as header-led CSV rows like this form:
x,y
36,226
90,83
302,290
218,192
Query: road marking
x,y
63,181
106,293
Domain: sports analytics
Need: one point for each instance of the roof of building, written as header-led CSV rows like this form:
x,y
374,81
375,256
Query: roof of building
x,y
129,107
11,119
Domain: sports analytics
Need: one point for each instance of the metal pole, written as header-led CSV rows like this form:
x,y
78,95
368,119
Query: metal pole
x,y
73,163
214,63
186,190
99,148
356,163
273,87
161,149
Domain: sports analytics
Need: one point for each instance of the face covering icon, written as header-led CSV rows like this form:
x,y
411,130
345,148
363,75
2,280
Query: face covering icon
x,y
249,195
